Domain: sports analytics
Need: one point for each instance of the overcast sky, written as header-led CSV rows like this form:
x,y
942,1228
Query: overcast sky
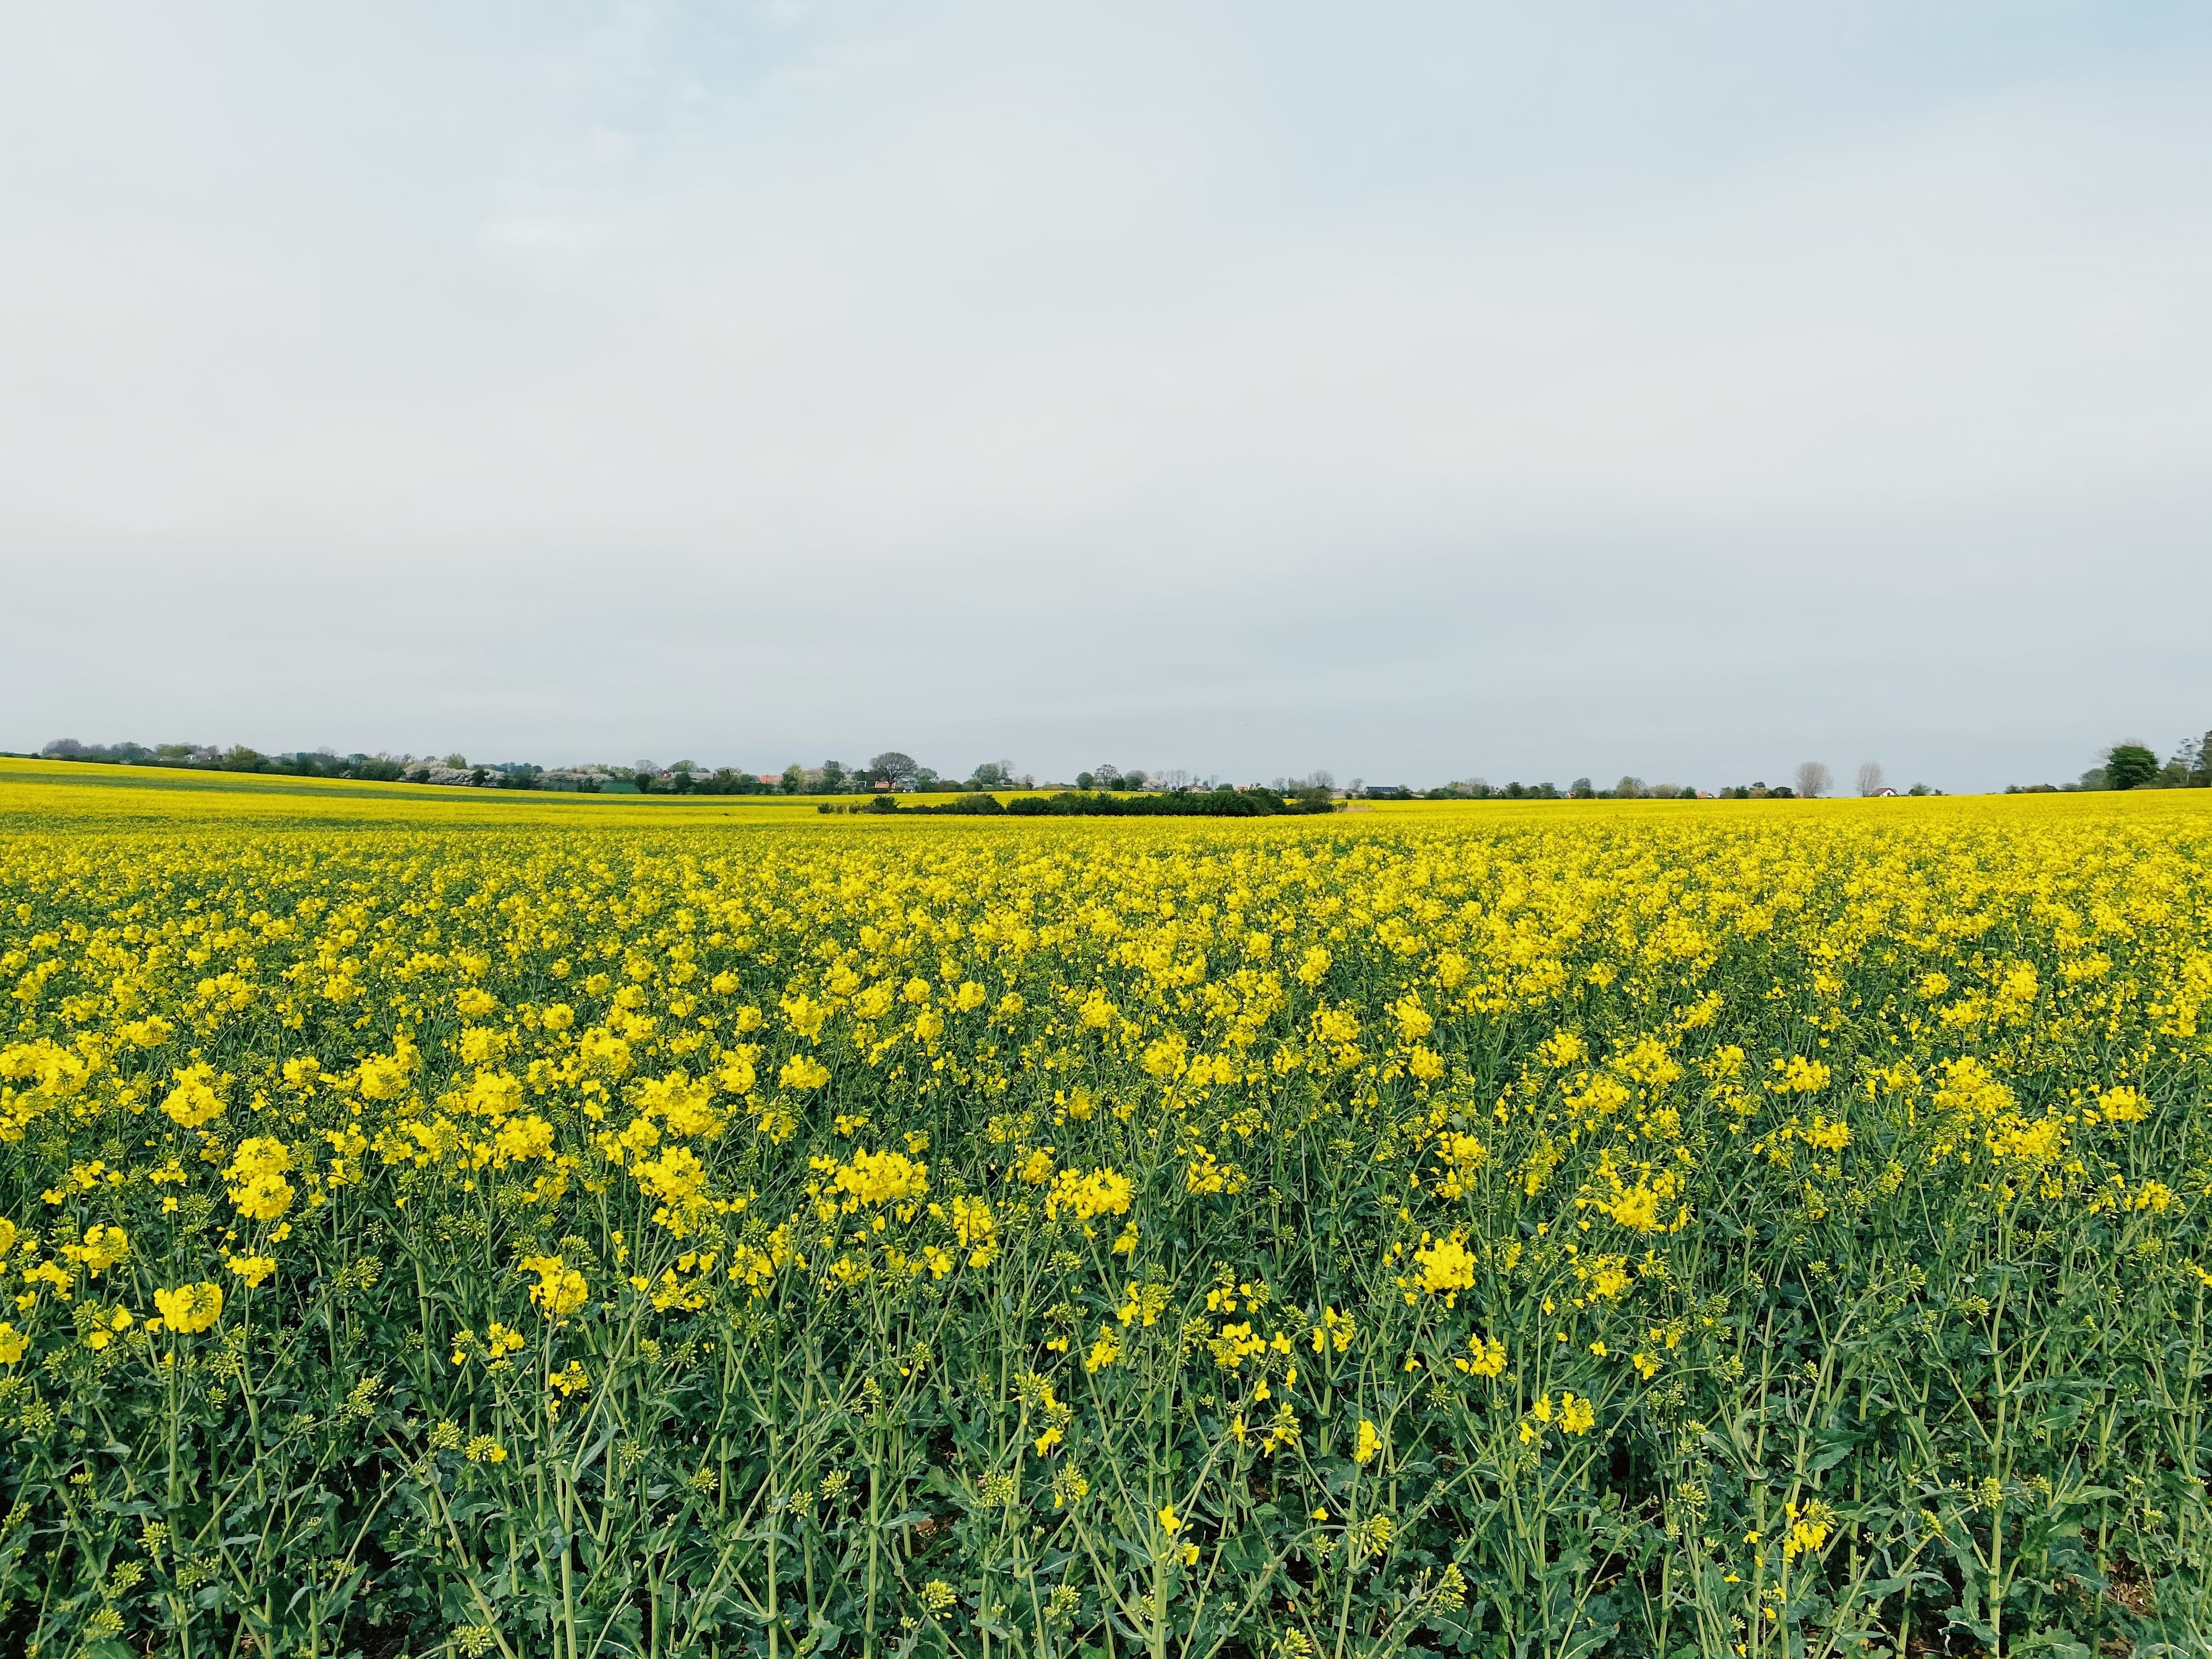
x,y
1413,390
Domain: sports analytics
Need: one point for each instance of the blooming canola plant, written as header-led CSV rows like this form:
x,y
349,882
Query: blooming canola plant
x,y
1750,1228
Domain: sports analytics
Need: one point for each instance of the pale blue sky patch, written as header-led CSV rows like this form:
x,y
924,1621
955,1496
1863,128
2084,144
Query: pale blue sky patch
x,y
1413,390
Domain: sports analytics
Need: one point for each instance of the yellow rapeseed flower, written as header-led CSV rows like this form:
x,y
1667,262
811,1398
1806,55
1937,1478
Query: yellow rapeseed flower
x,y
190,1307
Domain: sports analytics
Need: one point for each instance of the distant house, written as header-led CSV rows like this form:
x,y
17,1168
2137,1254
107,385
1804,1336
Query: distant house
x,y
1885,791
772,779
883,784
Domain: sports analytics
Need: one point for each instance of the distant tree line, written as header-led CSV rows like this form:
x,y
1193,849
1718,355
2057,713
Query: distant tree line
x,y
890,771
1813,781
1255,801
2129,764
1580,789
323,763
2125,765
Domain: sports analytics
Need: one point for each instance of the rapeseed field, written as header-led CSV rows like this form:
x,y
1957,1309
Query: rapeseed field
x,y
1761,1229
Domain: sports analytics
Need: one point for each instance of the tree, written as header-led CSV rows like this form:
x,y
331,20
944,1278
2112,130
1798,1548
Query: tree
x,y
2201,774
1814,778
992,775
833,777
1869,777
2129,766
1628,789
458,762
895,769
1086,780
794,778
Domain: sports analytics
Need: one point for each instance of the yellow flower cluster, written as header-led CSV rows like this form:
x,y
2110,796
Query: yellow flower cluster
x,y
190,1307
559,1288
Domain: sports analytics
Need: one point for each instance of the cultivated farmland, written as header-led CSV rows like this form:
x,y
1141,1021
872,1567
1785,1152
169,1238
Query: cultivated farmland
x,y
582,1230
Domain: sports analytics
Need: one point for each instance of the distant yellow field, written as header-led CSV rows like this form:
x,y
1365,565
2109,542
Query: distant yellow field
x,y
75,792
81,794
